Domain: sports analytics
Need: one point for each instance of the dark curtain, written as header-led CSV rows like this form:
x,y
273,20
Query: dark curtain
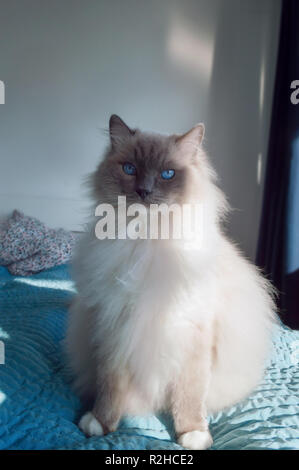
x,y
278,246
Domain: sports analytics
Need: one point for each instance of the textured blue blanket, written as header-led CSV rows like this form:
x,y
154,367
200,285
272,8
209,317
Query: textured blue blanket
x,y
38,409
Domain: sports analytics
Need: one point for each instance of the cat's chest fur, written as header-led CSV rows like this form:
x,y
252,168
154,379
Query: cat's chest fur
x,y
146,278
150,305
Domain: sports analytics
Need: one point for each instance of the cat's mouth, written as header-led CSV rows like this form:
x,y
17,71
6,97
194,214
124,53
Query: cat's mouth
x,y
144,200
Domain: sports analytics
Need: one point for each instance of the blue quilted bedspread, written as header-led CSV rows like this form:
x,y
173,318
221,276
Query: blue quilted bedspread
x,y
38,409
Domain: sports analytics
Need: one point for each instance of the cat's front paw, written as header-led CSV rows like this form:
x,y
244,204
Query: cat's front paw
x,y
90,425
196,440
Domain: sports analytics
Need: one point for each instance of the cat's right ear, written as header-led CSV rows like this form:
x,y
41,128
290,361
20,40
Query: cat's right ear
x,y
118,130
194,136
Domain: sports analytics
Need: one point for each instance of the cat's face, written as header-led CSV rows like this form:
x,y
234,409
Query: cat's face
x,y
146,168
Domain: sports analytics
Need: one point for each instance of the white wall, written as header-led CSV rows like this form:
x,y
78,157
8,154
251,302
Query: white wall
x,y
162,65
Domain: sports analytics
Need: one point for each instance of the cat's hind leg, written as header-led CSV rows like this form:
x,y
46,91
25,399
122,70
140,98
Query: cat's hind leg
x,y
90,425
189,396
108,407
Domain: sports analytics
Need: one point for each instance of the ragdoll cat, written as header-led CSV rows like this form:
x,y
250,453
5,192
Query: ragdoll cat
x,y
160,324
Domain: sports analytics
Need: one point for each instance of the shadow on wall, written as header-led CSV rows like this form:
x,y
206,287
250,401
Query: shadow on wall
x,y
239,109
190,42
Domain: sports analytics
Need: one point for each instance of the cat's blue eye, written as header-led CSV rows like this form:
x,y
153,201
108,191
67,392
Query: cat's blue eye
x,y
129,169
167,174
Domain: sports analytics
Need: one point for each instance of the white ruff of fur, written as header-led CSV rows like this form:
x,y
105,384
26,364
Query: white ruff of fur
x,y
140,302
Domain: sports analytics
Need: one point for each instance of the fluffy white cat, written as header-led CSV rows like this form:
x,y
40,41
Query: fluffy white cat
x,y
161,324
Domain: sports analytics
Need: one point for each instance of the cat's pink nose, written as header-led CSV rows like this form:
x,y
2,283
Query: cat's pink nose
x,y
142,192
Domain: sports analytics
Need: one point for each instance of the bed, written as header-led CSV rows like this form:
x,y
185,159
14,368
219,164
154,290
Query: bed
x,y
39,410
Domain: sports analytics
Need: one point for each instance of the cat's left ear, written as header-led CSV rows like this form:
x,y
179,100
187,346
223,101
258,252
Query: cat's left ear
x,y
193,137
118,130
